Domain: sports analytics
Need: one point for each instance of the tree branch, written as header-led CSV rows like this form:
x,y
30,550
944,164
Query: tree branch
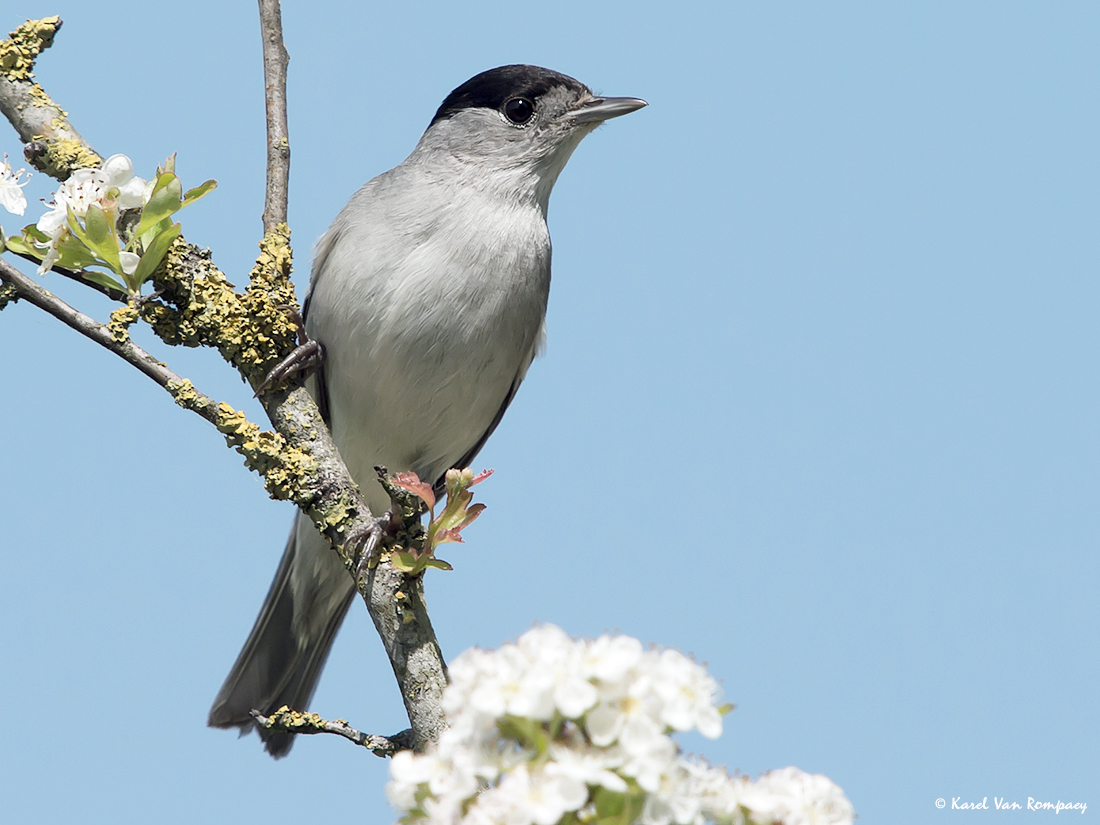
x,y
107,336
53,146
197,306
78,276
285,720
278,139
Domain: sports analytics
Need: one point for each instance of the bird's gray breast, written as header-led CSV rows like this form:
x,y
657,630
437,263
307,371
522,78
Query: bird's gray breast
x,y
430,302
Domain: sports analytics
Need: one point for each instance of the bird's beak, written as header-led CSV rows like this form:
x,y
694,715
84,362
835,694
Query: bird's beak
x,y
599,109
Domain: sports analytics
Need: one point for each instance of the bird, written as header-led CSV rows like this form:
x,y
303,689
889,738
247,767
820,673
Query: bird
x,y
428,297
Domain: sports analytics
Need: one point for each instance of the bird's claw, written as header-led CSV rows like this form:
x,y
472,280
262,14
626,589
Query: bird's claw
x,y
303,359
369,538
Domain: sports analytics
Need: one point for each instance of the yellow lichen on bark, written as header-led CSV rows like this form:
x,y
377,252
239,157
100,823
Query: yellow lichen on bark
x,y
251,330
18,52
121,319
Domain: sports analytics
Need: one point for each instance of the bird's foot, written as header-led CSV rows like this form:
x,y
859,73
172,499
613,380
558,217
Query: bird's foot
x,y
368,540
303,359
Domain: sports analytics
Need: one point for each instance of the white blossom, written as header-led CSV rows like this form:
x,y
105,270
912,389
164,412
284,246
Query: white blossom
x,y
112,187
129,261
407,772
610,658
798,798
591,767
688,693
647,758
11,189
539,728
118,173
693,793
508,685
82,188
629,716
532,796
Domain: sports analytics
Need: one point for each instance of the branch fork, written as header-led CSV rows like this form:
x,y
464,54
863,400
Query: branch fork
x,y
195,305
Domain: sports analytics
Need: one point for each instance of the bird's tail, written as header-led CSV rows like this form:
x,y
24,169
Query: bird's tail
x,y
287,648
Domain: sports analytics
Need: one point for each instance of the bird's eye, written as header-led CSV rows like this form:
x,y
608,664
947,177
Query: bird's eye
x,y
519,110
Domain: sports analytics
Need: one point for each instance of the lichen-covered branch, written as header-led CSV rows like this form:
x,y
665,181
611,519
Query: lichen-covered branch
x,y
8,294
195,305
282,466
285,720
52,145
278,137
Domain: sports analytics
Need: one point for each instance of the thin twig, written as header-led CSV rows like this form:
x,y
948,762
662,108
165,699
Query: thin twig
x,y
331,497
395,602
77,275
278,138
27,289
285,720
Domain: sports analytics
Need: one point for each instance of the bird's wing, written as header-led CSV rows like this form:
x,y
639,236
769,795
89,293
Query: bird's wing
x,y
470,454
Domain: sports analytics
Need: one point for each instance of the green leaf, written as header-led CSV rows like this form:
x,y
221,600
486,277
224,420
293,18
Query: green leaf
x,y
20,246
32,233
614,808
164,202
154,253
609,804
170,183
192,195
146,238
472,512
454,514
30,242
73,250
519,729
100,234
101,238
445,536
103,279
98,229
75,226
405,562
72,254
438,564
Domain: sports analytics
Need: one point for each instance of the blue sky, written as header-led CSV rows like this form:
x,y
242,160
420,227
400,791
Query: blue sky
x,y
819,405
